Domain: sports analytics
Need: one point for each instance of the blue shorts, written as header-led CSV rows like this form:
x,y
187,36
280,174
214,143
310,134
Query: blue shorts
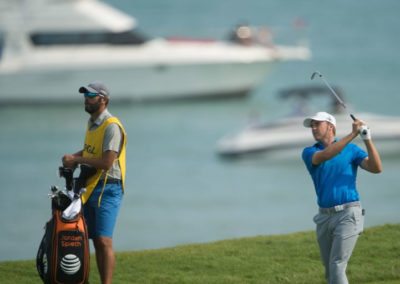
x,y
101,219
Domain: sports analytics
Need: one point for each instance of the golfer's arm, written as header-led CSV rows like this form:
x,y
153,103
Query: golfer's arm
x,y
373,162
332,150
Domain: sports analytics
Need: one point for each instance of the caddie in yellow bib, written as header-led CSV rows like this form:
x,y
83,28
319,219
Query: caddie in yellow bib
x,y
104,150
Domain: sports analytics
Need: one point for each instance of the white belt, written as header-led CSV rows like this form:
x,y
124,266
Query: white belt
x,y
339,208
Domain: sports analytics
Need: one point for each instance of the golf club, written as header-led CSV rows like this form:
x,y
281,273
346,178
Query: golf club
x,y
332,91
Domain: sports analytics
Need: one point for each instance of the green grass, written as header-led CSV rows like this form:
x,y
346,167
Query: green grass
x,y
290,258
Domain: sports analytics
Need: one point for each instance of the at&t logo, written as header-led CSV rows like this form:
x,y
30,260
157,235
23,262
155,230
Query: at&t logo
x,y
70,264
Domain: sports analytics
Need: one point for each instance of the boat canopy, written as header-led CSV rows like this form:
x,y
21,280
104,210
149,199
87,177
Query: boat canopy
x,y
307,92
58,15
312,95
68,22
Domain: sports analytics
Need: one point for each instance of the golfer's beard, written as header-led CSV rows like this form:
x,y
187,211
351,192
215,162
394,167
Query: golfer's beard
x,y
92,108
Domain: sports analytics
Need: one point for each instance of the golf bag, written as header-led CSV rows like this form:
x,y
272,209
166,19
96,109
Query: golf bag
x,y
63,255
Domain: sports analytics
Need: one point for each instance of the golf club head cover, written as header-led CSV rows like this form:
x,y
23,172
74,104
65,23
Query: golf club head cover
x,y
365,132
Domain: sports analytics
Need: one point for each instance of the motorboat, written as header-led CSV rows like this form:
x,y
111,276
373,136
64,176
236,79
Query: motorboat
x,y
48,48
288,136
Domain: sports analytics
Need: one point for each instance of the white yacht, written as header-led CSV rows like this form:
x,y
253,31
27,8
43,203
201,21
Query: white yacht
x,y
48,48
287,136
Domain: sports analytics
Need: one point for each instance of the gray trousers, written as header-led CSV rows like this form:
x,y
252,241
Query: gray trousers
x,y
337,234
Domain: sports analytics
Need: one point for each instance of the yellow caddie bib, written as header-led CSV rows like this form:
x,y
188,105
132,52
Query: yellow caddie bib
x,y
93,148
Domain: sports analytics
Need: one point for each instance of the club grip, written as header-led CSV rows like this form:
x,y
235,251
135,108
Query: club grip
x,y
364,132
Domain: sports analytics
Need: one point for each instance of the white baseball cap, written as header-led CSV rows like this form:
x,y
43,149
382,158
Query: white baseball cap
x,y
320,116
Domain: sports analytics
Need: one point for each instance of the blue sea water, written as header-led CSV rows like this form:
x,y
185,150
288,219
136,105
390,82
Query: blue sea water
x,y
178,190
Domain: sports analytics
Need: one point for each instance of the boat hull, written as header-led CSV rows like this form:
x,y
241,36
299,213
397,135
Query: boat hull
x,y
134,82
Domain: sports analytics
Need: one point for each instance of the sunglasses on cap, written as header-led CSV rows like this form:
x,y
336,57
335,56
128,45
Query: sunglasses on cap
x,y
92,95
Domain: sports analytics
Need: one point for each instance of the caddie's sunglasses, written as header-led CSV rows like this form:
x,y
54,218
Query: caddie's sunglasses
x,y
91,95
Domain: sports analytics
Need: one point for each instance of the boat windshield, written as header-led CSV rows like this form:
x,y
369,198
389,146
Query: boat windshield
x,y
87,38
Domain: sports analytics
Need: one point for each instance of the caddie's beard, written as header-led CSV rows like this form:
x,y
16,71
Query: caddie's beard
x,y
92,108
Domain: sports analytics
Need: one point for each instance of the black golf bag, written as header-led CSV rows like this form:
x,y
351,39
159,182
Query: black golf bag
x,y
63,255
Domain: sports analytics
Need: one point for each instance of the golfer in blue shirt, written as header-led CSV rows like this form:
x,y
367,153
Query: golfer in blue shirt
x,y
333,164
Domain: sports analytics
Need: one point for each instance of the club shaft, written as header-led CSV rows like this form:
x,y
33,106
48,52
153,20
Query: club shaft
x,y
336,96
333,92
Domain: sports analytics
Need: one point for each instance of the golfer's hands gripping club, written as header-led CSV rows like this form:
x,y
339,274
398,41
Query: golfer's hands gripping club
x,y
364,130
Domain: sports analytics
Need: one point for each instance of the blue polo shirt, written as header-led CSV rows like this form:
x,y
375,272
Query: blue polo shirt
x,y
335,179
